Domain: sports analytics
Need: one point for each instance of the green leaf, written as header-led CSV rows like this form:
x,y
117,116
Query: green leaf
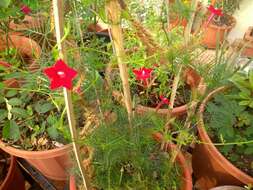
x,y
11,93
251,78
11,130
244,103
15,102
3,114
5,3
1,85
249,150
43,108
19,112
53,133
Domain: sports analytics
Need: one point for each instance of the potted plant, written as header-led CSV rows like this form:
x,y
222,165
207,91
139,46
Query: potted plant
x,y
128,157
248,40
224,153
33,123
10,174
219,24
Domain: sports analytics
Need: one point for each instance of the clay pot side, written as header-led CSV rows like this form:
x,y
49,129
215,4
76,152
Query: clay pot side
x,y
54,164
28,49
215,34
210,167
28,23
14,177
228,188
248,39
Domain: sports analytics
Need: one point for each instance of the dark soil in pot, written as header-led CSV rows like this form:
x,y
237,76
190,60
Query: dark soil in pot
x,y
223,21
4,165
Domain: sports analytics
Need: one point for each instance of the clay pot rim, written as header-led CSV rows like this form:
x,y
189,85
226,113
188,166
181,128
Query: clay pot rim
x,y
42,154
211,25
247,35
10,171
202,133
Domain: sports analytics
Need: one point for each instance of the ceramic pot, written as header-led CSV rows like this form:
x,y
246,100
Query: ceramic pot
x,y
248,40
13,178
54,164
214,34
195,82
28,49
210,167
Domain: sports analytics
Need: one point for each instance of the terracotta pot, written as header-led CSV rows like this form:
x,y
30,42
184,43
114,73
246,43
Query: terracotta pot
x,y
216,34
28,49
228,188
54,164
191,78
186,177
14,178
210,167
97,28
72,183
248,40
28,23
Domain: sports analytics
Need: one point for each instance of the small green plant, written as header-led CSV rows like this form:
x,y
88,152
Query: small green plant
x,y
129,158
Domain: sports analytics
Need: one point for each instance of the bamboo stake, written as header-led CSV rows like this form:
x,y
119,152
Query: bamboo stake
x,y
187,33
113,10
58,7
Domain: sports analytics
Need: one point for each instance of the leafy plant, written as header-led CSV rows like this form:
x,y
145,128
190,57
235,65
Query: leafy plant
x,y
230,123
127,158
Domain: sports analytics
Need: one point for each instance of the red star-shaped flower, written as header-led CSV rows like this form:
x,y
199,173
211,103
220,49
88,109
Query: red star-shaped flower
x,y
60,75
214,11
164,100
26,10
142,74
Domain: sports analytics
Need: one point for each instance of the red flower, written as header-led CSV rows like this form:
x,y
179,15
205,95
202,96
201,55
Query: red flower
x,y
26,10
60,75
214,11
164,100
142,74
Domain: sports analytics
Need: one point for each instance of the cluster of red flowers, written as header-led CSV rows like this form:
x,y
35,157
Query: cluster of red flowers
x,y
143,74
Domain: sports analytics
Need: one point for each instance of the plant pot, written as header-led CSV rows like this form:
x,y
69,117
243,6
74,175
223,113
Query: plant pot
x,y
72,183
181,161
28,23
195,82
210,167
54,164
28,49
214,34
13,178
248,39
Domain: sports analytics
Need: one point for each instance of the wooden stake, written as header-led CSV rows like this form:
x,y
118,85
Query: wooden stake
x,y
187,33
113,10
58,8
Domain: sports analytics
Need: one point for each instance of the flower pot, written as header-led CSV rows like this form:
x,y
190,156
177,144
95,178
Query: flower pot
x,y
181,161
54,164
195,82
28,23
28,49
72,183
214,34
248,39
13,178
210,167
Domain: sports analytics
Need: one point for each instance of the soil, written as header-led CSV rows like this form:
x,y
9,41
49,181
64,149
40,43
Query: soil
x,y
224,20
4,166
